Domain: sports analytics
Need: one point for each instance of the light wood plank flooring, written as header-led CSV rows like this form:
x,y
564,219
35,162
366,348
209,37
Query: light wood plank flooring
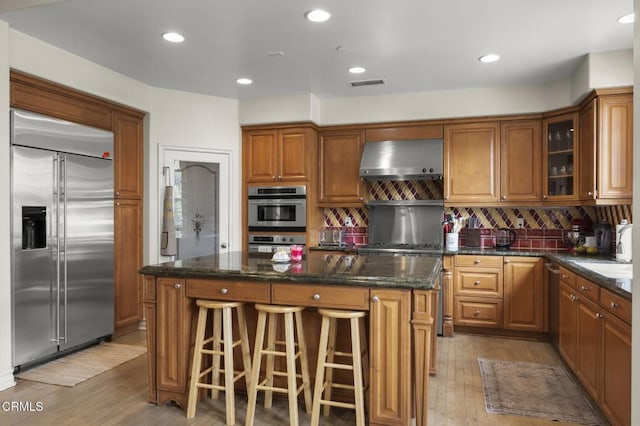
x,y
118,397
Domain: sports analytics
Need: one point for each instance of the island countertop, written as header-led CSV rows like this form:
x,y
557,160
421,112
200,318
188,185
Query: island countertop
x,y
411,272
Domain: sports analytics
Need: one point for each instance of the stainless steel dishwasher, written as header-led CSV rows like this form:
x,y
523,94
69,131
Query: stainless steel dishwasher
x,y
553,282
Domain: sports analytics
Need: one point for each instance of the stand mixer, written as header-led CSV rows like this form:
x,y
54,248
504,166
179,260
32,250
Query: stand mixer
x,y
574,238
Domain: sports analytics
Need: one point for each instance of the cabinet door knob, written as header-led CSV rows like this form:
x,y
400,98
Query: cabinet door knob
x,y
375,299
117,203
590,193
614,305
476,261
476,313
224,290
477,282
117,192
279,177
273,178
316,297
544,197
504,197
177,285
583,288
599,315
507,261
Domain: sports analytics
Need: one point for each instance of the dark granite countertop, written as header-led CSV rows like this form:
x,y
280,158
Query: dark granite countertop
x,y
570,261
411,272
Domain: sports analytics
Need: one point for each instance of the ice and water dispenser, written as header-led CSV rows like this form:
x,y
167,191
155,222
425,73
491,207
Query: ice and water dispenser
x,y
34,227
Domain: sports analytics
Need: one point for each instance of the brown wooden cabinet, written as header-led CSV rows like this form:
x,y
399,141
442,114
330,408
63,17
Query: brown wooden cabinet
x,y
478,290
524,302
520,161
339,154
595,342
127,262
278,154
560,166
471,163
390,357
606,148
127,146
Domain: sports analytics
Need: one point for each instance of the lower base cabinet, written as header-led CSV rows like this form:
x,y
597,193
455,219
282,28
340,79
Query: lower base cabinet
x,y
596,345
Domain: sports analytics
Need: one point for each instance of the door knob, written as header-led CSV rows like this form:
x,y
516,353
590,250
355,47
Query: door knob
x,y
223,245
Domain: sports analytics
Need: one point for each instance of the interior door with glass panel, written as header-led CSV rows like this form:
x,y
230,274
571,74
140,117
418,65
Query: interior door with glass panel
x,y
200,181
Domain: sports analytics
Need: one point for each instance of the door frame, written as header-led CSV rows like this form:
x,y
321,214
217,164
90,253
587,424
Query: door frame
x,y
224,158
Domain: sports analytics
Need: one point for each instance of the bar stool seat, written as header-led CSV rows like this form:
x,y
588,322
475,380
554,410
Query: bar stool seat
x,y
222,336
292,352
326,361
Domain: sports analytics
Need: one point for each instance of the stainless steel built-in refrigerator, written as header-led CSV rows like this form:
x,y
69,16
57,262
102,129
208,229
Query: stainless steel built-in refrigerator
x,y
62,236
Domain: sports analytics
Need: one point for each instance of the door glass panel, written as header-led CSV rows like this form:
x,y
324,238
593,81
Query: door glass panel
x,y
196,208
560,160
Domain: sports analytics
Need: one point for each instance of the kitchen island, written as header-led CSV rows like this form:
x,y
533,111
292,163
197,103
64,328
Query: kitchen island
x,y
399,293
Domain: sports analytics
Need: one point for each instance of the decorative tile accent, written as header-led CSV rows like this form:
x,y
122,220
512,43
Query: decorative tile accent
x,y
336,217
614,214
406,190
533,218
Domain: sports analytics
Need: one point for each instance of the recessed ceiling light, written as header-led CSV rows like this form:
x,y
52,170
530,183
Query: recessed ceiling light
x,y
244,81
627,19
173,37
491,57
357,70
317,15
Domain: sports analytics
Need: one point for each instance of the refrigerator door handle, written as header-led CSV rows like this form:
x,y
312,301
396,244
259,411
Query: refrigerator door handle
x,y
63,169
56,251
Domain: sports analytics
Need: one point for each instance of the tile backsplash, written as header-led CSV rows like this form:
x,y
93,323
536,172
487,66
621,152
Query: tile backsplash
x,y
543,227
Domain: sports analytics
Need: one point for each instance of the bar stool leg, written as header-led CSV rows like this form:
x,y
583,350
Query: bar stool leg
x,y
271,346
322,355
357,371
255,370
304,364
197,362
215,358
228,366
292,384
244,344
330,360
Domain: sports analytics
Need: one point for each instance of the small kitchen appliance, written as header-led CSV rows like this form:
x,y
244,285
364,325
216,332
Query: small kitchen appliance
x,y
574,238
623,241
504,238
602,232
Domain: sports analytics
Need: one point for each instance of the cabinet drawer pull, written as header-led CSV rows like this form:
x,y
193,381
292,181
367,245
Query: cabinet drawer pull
x,y
476,261
177,285
476,313
375,299
599,315
477,282
614,305
224,290
316,297
507,261
583,288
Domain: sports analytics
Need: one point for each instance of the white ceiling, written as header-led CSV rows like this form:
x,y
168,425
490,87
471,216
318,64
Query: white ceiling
x,y
415,45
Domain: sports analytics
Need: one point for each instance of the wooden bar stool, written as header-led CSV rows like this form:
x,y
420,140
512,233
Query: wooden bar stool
x,y
290,354
326,360
221,326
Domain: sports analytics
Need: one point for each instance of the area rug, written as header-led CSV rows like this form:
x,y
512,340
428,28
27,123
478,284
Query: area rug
x,y
85,364
534,390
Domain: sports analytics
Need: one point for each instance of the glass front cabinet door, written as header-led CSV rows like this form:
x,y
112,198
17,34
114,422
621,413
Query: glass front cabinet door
x,y
560,156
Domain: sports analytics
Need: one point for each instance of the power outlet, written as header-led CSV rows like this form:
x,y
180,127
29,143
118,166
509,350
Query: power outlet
x,y
520,222
348,222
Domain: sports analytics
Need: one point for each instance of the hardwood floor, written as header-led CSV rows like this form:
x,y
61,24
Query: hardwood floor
x,y
118,397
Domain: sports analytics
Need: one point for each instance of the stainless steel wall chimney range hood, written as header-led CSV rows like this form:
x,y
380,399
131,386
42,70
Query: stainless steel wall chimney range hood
x,y
402,160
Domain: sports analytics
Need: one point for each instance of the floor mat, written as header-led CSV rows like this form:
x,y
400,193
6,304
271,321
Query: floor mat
x,y
534,390
80,366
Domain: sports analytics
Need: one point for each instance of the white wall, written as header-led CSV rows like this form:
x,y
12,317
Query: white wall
x,y
174,118
635,330
182,119
6,372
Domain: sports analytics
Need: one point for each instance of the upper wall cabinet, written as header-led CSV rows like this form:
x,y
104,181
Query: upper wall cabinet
x,y
471,163
606,148
560,158
520,161
128,141
339,160
278,155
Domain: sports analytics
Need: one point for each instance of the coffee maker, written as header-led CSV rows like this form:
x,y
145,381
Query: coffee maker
x,y
602,232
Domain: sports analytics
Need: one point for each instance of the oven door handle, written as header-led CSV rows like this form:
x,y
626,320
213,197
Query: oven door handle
x,y
282,202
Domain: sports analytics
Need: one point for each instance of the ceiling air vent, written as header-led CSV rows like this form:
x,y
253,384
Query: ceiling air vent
x,y
373,82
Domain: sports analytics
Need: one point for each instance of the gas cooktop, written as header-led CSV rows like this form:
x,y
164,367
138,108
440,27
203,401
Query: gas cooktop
x,y
433,249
